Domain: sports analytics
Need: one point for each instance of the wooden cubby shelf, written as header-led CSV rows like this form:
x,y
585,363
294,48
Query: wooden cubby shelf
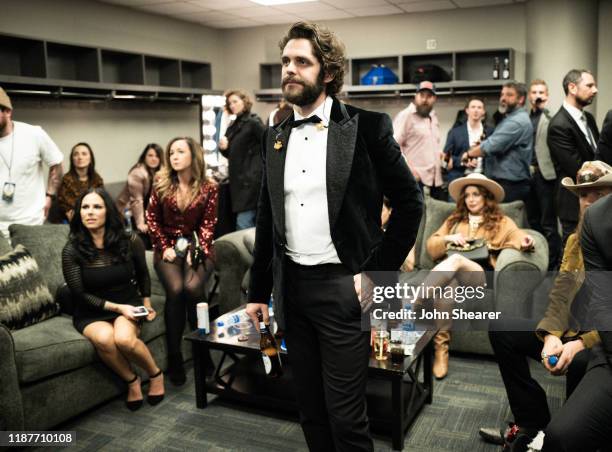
x,y
37,67
463,73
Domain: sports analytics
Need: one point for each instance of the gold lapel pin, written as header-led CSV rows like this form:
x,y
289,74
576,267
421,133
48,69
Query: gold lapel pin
x,y
278,145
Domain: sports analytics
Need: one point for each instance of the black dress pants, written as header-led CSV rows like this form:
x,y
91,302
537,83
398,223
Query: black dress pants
x,y
329,356
542,215
584,423
513,341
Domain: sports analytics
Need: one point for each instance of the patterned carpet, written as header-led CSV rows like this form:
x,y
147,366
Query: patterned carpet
x,y
470,397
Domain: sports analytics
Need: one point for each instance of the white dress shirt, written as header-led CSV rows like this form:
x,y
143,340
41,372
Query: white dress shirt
x,y
307,228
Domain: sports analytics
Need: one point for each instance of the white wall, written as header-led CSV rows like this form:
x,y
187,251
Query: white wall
x,y
464,29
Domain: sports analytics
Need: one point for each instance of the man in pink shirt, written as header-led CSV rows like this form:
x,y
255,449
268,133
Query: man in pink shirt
x,y
417,131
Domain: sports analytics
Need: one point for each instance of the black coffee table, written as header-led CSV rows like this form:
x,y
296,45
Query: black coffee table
x,y
395,393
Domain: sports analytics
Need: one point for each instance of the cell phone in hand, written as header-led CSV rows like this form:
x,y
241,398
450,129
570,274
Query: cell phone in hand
x,y
140,311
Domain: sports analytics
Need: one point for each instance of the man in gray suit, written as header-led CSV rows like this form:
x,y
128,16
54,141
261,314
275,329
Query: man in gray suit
x,y
541,210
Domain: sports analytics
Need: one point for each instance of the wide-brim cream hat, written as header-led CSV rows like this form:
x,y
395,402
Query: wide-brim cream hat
x,y
592,174
456,187
5,101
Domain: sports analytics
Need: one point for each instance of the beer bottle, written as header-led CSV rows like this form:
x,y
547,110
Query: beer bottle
x,y
496,68
269,350
506,71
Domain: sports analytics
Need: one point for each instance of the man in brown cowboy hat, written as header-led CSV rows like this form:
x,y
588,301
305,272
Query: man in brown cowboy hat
x,y
23,149
558,334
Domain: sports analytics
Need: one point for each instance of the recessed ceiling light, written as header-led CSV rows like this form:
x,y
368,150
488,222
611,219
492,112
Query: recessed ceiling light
x,y
280,2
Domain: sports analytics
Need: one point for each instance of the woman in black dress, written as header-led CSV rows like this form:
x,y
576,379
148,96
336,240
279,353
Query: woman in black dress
x,y
106,272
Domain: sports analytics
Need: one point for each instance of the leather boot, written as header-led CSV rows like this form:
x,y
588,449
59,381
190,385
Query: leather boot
x,y
441,344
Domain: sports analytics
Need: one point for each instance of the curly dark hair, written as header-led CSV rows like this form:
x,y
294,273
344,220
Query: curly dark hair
x,y
326,47
491,213
116,240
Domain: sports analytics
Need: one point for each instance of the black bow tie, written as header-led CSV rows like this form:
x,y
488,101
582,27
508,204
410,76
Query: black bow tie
x,y
314,119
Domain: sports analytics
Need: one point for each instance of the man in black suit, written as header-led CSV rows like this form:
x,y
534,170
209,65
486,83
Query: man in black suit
x,y
572,140
583,423
326,169
604,147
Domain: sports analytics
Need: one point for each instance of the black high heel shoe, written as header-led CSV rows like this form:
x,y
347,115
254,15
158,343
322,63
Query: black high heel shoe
x,y
133,405
155,399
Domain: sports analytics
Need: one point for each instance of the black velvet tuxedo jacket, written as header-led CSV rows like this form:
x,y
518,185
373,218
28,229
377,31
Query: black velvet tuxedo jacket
x,y
364,163
569,149
597,252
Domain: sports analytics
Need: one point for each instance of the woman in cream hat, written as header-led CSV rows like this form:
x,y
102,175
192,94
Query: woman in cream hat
x,y
477,216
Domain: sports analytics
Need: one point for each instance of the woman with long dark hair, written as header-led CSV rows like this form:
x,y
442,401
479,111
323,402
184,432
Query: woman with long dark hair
x,y
106,272
241,146
137,191
476,217
81,176
182,214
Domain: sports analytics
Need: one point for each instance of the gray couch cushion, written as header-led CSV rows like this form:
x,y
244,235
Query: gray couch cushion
x,y
5,245
438,211
45,243
49,348
24,297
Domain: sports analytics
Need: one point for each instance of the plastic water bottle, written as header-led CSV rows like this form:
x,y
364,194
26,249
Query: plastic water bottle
x,y
127,214
232,319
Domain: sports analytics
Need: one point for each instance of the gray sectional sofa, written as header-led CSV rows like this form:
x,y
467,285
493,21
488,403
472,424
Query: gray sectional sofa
x,y
48,371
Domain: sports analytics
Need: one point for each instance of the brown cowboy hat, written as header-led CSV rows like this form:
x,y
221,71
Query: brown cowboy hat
x,y
456,187
592,174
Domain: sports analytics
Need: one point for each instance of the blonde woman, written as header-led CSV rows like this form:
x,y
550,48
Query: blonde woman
x,y
181,216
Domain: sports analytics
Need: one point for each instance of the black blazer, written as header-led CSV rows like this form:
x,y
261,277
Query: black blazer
x,y
457,142
597,252
364,163
604,147
569,149
243,153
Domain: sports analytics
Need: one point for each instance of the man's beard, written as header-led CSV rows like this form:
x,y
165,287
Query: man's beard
x,y
424,110
309,93
506,109
584,102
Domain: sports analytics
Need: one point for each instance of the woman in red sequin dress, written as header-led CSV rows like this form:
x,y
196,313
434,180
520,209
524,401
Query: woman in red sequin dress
x,y
183,205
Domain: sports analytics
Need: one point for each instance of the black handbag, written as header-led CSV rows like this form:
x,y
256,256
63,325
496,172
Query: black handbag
x,y
475,250
196,253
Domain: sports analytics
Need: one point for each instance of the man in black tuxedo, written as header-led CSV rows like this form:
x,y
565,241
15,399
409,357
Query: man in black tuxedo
x,y
572,140
326,169
604,147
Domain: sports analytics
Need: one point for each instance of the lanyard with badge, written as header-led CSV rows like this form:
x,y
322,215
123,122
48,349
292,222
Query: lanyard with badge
x,y
8,189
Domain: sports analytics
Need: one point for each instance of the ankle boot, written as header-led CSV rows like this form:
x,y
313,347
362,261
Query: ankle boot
x,y
176,370
441,344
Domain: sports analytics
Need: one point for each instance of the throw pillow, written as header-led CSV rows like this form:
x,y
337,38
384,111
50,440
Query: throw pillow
x,y
24,296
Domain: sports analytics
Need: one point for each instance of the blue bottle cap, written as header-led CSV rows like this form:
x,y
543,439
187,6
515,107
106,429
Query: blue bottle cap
x,y
220,323
553,360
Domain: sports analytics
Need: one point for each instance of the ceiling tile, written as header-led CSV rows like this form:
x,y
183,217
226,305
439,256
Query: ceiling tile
x,y
376,10
256,11
349,4
222,4
135,2
217,16
173,9
476,3
326,15
305,7
280,19
240,23
432,5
